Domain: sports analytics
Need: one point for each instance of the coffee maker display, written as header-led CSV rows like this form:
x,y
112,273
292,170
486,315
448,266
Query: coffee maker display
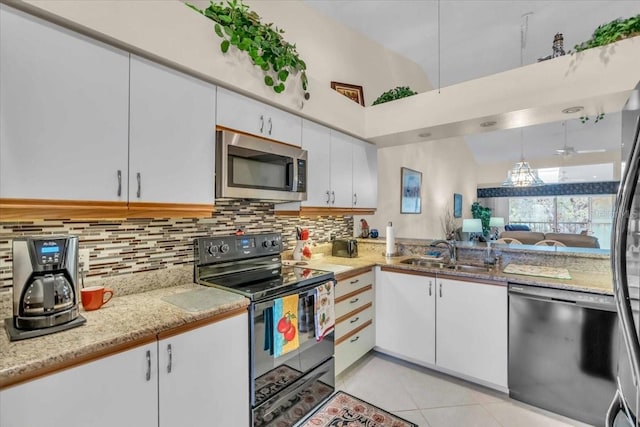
x,y
45,286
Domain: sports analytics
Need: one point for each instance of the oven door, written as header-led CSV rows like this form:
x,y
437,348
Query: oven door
x,y
297,363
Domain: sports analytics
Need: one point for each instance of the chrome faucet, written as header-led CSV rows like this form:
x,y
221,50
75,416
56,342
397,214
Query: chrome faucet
x,y
451,244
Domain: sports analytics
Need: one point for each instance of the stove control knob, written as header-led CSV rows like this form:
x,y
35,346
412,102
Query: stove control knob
x,y
274,243
213,249
265,244
224,248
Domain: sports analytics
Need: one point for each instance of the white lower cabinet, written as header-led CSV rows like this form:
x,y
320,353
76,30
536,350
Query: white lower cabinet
x,y
204,375
458,326
472,329
119,390
202,381
405,309
355,329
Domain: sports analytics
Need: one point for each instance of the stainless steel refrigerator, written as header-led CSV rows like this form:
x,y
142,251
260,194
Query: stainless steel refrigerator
x,y
625,263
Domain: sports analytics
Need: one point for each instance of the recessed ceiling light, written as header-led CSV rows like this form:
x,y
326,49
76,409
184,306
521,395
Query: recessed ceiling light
x,y
572,110
488,123
424,134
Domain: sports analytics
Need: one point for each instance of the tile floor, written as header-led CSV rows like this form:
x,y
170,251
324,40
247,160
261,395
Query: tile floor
x,y
431,399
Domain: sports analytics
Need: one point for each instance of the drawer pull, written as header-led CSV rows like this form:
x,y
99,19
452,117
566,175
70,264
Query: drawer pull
x,y
355,320
355,300
353,282
355,339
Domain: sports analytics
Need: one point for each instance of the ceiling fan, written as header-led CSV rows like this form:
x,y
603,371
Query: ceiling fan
x,y
567,151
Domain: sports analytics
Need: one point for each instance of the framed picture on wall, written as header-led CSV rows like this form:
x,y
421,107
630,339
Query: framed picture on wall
x,y
353,92
457,205
411,182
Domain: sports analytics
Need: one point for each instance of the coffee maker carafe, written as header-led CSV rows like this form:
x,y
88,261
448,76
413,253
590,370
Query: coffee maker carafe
x,y
45,284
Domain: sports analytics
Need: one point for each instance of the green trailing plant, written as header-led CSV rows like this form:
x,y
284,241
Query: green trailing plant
x,y
241,27
393,94
585,119
611,32
483,214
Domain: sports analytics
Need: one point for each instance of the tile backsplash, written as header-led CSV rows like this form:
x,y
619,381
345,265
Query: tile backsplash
x,y
136,245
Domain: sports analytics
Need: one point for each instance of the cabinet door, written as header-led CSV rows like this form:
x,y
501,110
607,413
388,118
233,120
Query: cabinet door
x,y
238,112
365,175
283,126
472,329
113,391
341,170
172,136
405,315
316,139
204,375
63,113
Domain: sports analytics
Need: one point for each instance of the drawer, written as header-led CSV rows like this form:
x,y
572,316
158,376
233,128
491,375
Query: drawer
x,y
354,301
354,347
354,283
343,327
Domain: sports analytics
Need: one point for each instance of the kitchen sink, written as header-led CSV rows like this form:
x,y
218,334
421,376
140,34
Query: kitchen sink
x,y
422,262
469,268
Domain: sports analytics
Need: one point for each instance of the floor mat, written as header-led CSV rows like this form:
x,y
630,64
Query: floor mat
x,y
344,409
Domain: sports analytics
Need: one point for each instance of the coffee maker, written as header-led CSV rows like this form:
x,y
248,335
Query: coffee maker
x,y
45,286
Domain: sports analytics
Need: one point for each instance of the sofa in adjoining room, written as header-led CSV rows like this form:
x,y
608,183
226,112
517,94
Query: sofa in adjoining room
x,y
568,239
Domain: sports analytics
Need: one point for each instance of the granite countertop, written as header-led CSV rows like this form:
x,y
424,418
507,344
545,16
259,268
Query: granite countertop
x,y
581,280
128,319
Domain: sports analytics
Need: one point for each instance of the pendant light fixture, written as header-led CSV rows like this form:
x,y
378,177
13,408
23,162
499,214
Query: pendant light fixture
x,y
522,175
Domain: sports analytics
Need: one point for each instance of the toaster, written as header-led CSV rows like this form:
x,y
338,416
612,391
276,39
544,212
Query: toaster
x,y
346,248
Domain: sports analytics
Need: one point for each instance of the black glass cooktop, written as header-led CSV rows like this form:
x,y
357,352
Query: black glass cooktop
x,y
268,282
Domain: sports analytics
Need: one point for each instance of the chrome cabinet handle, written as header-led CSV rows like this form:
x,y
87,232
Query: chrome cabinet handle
x,y
261,123
148,365
119,183
440,290
430,288
333,197
355,300
270,126
353,282
355,320
355,339
355,199
328,197
139,178
170,358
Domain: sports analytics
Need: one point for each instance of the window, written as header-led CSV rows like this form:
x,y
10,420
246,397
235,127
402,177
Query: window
x,y
566,214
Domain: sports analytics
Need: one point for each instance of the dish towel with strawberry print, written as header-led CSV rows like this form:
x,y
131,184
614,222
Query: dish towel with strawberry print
x,y
325,309
285,325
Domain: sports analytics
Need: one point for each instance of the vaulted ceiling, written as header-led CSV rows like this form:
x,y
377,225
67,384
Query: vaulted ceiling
x,y
459,40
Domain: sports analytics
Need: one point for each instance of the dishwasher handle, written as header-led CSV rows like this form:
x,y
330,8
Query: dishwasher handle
x,y
577,298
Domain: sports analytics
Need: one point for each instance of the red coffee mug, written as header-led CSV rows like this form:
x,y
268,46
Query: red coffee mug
x,y
93,297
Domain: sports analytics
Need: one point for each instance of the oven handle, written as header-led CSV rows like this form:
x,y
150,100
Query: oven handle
x,y
269,408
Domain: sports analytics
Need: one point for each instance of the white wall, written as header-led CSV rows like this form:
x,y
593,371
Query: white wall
x,y
447,167
334,52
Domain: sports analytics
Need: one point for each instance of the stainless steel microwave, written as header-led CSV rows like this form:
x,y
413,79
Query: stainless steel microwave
x,y
249,167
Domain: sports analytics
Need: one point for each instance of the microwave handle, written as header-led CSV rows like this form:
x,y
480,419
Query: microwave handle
x,y
291,173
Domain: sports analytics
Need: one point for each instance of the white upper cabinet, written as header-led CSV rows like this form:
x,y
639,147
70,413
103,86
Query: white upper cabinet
x,y
119,390
365,174
341,170
63,113
316,139
238,112
172,136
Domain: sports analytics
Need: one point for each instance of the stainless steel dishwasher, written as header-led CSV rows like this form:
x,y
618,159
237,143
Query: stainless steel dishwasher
x,y
563,350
